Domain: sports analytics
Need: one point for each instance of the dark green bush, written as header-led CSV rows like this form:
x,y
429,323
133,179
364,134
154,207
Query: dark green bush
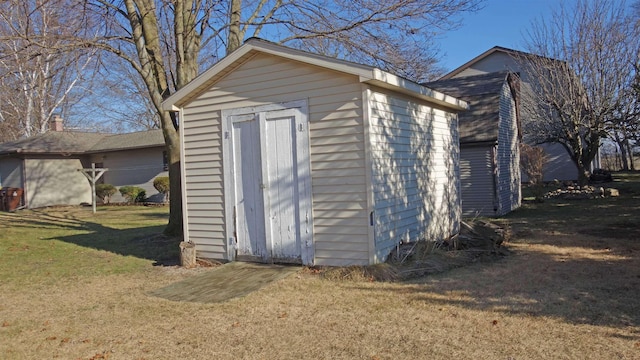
x,y
133,194
161,183
105,191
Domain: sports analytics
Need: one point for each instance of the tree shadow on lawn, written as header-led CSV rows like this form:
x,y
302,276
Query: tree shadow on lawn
x,y
578,261
579,283
146,242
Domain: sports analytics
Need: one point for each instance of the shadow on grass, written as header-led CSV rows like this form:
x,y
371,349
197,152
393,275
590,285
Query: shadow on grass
x,y
595,283
575,261
145,242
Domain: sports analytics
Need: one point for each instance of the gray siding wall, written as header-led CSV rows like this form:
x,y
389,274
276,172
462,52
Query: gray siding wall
x,y
55,182
136,167
508,155
415,172
477,181
337,154
11,172
559,165
498,61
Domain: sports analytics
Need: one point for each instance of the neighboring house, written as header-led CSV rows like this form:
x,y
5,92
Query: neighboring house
x,y
292,156
46,166
559,164
489,142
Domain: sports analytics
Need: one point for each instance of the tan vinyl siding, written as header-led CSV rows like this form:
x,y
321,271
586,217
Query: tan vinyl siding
x,y
414,172
477,181
508,155
55,182
336,151
204,203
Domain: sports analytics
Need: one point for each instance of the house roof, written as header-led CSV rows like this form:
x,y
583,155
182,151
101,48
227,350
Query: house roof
x,y
480,57
74,142
513,53
480,122
366,74
140,139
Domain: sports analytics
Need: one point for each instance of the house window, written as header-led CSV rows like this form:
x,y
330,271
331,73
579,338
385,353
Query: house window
x,y
165,161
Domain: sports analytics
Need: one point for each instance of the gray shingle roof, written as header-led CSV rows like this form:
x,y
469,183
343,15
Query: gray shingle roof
x,y
71,142
140,139
54,142
480,122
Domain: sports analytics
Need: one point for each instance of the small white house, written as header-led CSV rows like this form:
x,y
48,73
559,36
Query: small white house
x,y
489,142
296,157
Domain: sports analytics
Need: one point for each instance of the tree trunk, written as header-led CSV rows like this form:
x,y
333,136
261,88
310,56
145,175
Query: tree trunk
x,y
172,140
234,40
629,153
623,151
583,174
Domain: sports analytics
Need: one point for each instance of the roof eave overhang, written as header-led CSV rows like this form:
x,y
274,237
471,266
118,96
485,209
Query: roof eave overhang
x,y
100,151
471,143
49,153
366,74
392,82
9,152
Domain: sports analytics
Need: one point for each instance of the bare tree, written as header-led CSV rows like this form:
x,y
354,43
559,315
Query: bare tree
x,y
623,128
166,42
37,79
579,78
118,102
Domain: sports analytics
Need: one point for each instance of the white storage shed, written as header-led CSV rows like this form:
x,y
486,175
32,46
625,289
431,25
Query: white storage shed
x,y
289,156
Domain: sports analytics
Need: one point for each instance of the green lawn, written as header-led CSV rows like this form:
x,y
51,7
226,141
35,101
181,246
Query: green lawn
x,y
50,244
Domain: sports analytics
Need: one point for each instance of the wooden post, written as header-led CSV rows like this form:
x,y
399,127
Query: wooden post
x,y
93,175
188,254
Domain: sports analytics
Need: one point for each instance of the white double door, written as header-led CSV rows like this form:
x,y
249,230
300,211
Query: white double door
x,y
269,150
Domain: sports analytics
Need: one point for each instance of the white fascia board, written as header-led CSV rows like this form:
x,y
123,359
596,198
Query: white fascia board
x,y
366,74
266,47
389,81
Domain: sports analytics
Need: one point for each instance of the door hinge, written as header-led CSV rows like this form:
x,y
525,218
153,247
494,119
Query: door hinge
x,y
300,127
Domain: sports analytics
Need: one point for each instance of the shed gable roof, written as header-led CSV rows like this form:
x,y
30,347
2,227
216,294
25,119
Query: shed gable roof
x,y
483,92
365,74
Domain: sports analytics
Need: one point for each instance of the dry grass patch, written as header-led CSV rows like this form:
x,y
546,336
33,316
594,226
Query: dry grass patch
x,y
562,294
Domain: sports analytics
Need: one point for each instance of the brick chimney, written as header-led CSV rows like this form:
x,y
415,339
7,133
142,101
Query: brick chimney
x,y
56,123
